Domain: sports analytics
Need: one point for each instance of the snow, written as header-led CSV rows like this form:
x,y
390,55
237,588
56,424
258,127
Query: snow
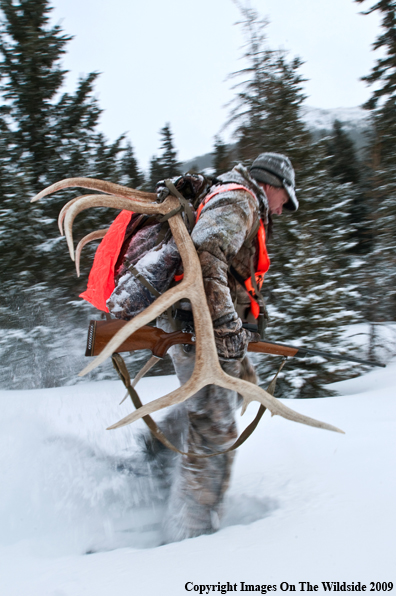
x,y
304,504
323,119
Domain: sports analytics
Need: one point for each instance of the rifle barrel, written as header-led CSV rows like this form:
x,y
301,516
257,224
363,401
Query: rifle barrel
x,y
304,352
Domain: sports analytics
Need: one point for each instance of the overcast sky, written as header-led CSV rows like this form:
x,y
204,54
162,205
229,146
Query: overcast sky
x,y
168,60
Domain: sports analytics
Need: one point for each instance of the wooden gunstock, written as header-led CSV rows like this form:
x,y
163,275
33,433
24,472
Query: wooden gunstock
x,y
145,338
264,347
158,341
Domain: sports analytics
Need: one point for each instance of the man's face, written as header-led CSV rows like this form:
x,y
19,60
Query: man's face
x,y
277,198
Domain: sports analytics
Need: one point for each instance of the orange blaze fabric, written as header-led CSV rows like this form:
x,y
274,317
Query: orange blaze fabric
x,y
262,267
101,278
223,188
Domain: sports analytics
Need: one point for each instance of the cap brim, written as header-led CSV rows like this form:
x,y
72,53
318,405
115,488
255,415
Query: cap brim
x,y
292,203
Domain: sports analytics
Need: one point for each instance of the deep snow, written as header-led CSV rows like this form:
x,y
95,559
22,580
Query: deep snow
x,y
304,504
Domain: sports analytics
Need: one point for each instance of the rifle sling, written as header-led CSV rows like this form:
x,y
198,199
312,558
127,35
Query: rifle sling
x,y
120,367
238,277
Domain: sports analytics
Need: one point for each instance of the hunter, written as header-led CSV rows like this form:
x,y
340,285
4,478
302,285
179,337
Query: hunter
x,y
232,219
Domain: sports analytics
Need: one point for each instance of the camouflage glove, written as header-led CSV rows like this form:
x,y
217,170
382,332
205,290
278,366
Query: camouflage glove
x,y
191,186
232,340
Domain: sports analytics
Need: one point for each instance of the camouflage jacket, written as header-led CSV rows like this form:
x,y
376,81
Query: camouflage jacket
x,y
225,223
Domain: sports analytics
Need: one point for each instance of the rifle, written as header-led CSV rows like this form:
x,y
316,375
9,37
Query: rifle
x,y
159,342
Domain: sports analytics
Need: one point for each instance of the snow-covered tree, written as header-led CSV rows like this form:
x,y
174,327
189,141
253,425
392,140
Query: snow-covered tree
x,y
380,284
269,96
310,289
132,175
47,135
166,165
222,161
344,165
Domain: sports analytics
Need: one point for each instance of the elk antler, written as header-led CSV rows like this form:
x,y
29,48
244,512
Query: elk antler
x,y
62,213
97,235
207,368
93,184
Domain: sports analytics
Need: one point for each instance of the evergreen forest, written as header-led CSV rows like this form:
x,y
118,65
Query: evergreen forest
x,y
333,262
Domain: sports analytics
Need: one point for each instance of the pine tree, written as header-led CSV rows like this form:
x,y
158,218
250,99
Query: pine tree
x,y
222,161
106,162
343,164
166,165
310,287
156,173
133,177
171,167
46,138
42,130
268,99
382,102
31,76
341,153
380,283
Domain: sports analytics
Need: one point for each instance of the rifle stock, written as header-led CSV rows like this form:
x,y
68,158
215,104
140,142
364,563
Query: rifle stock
x,y
145,338
159,342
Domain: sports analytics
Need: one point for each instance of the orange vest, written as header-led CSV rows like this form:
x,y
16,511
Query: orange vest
x,y
101,277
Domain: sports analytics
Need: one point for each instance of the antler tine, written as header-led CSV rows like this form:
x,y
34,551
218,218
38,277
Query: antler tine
x,y
252,392
63,211
128,204
255,393
85,202
66,207
94,184
97,235
175,397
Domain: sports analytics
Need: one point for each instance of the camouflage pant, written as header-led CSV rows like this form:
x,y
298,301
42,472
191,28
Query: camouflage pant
x,y
198,485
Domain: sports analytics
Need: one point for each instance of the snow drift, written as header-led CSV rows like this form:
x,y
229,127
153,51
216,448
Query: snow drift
x,y
80,512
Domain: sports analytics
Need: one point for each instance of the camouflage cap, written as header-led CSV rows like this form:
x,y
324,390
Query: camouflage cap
x,y
276,169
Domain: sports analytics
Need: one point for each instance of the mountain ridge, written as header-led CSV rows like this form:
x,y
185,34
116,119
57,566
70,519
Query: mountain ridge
x,y
319,121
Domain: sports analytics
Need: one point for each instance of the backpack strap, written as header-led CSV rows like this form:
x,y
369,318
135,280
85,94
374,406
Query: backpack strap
x,y
223,188
183,202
